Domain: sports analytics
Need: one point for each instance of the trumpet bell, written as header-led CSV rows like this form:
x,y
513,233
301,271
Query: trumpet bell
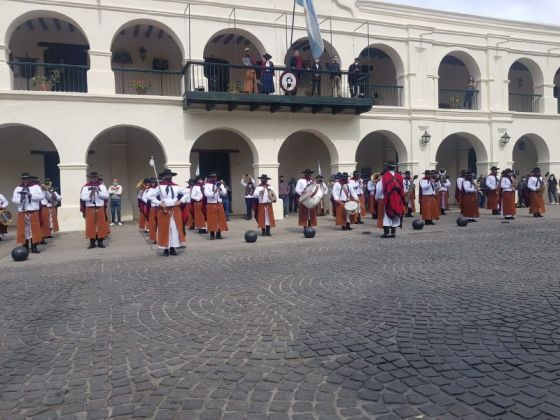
x,y
375,177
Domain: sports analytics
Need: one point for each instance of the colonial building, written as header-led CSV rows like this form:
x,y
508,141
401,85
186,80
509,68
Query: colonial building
x,y
94,85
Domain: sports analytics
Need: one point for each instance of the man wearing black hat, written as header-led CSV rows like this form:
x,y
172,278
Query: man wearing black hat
x,y
307,216
357,185
48,209
428,201
469,202
28,198
342,193
188,209
535,184
215,213
198,201
168,199
393,199
459,187
409,193
265,214
509,211
140,189
354,75
493,191
325,189
93,196
150,211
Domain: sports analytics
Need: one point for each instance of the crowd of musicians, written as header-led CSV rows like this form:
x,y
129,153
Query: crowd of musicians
x,y
168,210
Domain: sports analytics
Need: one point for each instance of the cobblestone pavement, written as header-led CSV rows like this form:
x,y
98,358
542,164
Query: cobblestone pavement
x,y
443,323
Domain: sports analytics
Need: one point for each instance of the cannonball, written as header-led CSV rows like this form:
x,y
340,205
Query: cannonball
x,y
462,221
251,236
309,232
418,224
20,253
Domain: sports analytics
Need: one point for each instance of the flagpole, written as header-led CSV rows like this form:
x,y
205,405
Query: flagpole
x,y
293,21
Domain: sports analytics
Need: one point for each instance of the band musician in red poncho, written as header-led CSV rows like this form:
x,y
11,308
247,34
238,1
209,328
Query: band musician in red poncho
x,y
394,200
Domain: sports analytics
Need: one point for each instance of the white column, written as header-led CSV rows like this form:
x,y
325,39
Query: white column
x,y
270,169
119,170
548,103
72,179
100,76
6,74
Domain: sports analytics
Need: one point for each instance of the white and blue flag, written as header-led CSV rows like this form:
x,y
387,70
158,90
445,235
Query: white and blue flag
x,y
313,30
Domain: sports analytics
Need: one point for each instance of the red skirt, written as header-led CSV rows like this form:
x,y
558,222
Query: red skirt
x,y
508,203
469,208
537,203
216,217
429,208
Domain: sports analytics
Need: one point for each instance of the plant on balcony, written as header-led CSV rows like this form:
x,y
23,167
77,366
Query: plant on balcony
x,y
454,102
44,83
140,86
234,87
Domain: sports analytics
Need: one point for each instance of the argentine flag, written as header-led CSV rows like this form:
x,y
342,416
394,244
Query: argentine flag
x,y
315,40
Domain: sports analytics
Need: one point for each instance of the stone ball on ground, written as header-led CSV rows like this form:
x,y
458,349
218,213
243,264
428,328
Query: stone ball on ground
x,y
20,253
309,232
251,236
418,224
462,221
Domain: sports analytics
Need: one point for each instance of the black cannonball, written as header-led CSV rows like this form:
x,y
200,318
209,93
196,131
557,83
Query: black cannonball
x,y
309,232
418,224
251,236
20,253
462,221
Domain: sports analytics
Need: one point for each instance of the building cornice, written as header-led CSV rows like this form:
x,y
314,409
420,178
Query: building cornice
x,y
91,97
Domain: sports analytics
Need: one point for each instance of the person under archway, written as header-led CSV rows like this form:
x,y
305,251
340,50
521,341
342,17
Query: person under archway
x,y
250,85
394,202
93,196
493,191
342,193
509,211
307,216
428,200
535,184
469,202
214,190
265,196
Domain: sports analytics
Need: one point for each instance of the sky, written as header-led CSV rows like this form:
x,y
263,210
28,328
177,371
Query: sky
x,y
538,11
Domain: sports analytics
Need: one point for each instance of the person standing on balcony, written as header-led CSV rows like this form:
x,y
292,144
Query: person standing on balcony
x,y
250,85
335,75
469,101
493,191
316,79
552,189
354,75
284,194
296,64
115,197
267,75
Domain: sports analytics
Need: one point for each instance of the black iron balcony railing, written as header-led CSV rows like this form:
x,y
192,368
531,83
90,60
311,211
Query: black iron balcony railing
x,y
385,95
49,77
148,82
458,99
520,102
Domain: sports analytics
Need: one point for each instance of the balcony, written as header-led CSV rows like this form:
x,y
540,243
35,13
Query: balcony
x,y
520,102
210,85
49,77
132,81
458,99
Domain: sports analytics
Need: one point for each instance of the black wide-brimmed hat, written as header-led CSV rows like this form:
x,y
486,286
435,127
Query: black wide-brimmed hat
x,y
536,169
463,171
191,181
356,173
264,176
93,174
25,175
319,177
146,180
391,164
344,175
152,180
494,168
267,56
407,173
308,171
167,172
212,174
428,172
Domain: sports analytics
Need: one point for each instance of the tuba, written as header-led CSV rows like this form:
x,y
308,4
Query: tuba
x,y
375,177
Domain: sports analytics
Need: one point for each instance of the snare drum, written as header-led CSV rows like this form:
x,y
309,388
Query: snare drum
x,y
311,196
351,207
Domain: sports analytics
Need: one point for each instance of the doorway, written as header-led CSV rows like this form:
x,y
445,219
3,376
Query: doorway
x,y
215,161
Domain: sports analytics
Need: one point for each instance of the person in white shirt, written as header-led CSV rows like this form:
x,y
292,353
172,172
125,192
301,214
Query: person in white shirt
x,y
198,205
248,183
3,206
428,201
188,210
357,185
372,187
325,190
459,187
49,209
443,193
535,184
410,193
265,212
149,210
215,213
168,199
28,196
469,208
342,193
93,196
509,211
493,191
140,188
115,200
306,217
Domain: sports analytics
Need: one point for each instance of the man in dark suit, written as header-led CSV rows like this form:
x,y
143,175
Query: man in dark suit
x,y
354,75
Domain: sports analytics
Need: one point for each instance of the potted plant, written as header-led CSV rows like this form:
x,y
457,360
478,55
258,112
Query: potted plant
x,y
44,83
140,86
234,87
454,102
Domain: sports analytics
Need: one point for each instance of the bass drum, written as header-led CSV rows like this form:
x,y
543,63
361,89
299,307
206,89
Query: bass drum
x,y
311,196
5,217
351,207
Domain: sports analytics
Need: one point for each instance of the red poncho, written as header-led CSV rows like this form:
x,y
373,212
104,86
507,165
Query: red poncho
x,y
393,191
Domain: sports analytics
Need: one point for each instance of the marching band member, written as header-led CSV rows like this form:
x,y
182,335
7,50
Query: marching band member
x,y
410,196
325,189
49,209
343,193
535,184
509,211
307,217
150,211
198,205
265,213
356,184
93,197
469,202
167,200
142,221
493,191
372,187
3,205
28,198
392,189
215,213
334,180
443,192
188,209
459,187
428,200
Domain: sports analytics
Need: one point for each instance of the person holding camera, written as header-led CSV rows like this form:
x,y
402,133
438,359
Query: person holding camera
x,y
249,184
214,191
115,196
93,196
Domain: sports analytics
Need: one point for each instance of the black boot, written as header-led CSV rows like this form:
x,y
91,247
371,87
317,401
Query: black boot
x,y
100,243
165,253
219,235
268,231
212,236
360,221
386,233
34,249
91,244
172,251
348,226
393,232
263,232
200,231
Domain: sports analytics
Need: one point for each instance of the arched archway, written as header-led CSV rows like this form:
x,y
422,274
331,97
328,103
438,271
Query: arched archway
x,y
231,154
48,51
454,72
384,69
228,47
525,86
529,151
124,152
29,151
462,151
557,89
147,58
377,148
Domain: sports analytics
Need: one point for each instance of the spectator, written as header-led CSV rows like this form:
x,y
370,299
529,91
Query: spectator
x,y
469,94
249,183
115,195
481,191
284,194
334,69
354,75
521,186
293,196
226,200
552,189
